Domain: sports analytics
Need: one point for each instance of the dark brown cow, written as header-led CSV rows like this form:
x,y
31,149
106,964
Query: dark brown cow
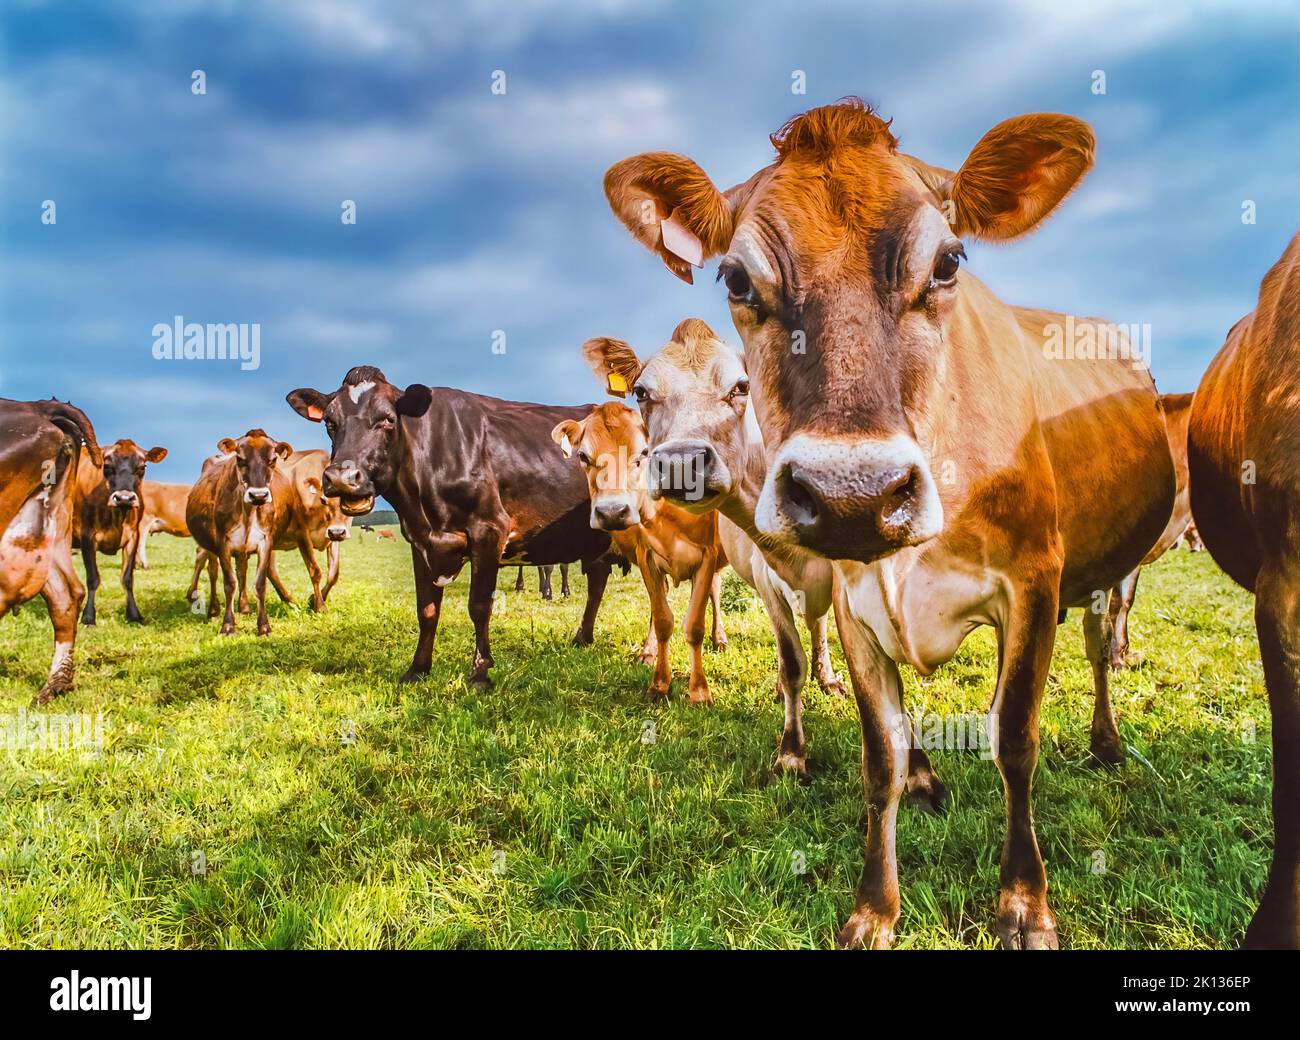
x,y
921,433
1243,454
239,506
164,513
40,445
1177,409
107,519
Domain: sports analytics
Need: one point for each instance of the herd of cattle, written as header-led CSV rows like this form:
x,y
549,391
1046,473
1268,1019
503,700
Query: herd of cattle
x,y
893,444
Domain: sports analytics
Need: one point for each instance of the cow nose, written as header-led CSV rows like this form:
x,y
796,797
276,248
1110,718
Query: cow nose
x,y
257,495
612,516
344,479
123,499
681,472
336,532
851,500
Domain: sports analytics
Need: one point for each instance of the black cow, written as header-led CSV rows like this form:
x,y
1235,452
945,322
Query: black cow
x,y
472,478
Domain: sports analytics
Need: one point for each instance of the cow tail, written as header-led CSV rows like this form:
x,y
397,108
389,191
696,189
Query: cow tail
x,y
74,422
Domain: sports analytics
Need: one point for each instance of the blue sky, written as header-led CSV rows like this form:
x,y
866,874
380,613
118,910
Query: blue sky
x,y
479,212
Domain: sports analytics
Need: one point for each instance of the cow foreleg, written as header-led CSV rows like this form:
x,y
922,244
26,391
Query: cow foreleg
x,y
719,634
1107,745
1120,603
661,617
823,666
564,581
313,572
428,601
228,580
597,572
1276,923
332,554
200,559
130,551
519,579
485,554
212,586
697,610
544,582
241,566
1025,921
274,574
265,557
878,689
63,595
141,556
792,672
90,560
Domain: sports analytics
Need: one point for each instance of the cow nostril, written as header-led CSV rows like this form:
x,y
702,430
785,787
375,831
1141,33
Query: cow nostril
x,y
798,502
898,498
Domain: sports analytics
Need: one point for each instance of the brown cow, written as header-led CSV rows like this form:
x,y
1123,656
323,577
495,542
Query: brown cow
x,y
922,434
239,506
107,518
1177,409
40,445
1243,454
164,513
665,541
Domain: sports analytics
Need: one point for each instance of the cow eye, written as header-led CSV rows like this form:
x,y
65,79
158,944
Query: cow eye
x,y
739,288
946,267
741,389
386,423
640,393
584,458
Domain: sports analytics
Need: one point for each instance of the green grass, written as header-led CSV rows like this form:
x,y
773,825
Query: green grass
x,y
535,816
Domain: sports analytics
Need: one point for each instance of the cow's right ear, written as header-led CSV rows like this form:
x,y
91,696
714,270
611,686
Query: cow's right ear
x,y
614,362
415,400
308,403
227,446
566,435
672,208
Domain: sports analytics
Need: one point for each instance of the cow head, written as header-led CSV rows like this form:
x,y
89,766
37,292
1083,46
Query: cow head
x,y
124,463
694,399
362,419
256,457
841,263
611,447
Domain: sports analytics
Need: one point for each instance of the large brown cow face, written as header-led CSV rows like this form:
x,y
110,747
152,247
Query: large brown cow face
x,y
612,449
694,399
841,263
362,419
124,463
256,457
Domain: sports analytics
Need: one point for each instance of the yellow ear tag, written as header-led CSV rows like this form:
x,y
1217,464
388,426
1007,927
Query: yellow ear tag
x,y
616,384
565,446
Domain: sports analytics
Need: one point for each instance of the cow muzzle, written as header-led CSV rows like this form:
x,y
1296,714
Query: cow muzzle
x,y
257,496
351,487
688,473
614,513
850,500
336,532
123,500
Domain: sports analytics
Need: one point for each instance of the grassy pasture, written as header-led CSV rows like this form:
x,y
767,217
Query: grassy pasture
x,y
331,808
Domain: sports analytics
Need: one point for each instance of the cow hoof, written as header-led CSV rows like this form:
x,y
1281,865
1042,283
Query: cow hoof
x,y
50,691
720,645
264,630
412,676
789,764
656,694
833,686
89,622
581,638
1106,751
926,791
1020,936
227,630
137,620
645,657
479,682
867,930
699,696
1025,923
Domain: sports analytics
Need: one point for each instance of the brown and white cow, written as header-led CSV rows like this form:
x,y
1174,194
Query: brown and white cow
x,y
108,517
919,434
40,445
1243,454
706,454
239,506
1177,409
666,542
164,513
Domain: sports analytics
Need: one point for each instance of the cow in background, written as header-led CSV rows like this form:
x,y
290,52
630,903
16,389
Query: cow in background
x,y
41,443
239,506
164,513
473,479
665,541
107,519
1243,460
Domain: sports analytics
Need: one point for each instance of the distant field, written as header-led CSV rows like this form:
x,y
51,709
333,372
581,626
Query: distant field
x,y
325,806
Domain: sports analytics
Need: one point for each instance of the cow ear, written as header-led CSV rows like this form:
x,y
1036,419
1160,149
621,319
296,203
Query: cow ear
x,y
155,454
308,403
415,400
284,449
567,434
614,362
1019,172
671,207
227,445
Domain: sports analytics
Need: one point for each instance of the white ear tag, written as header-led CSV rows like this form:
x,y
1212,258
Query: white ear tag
x,y
681,242
565,446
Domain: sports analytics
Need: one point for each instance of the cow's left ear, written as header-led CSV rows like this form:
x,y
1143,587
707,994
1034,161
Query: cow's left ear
x,y
415,400
155,454
567,435
614,362
308,403
1019,172
284,449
